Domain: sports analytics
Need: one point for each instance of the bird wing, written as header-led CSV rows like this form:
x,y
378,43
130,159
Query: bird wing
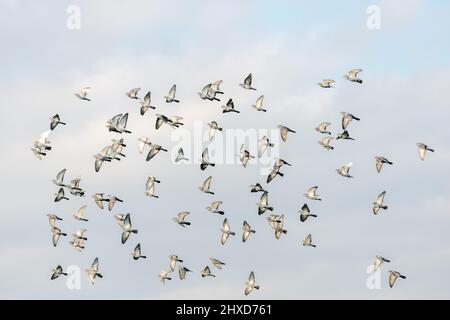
x,y
422,152
215,205
116,118
81,211
379,165
264,201
259,102
323,126
392,277
205,156
226,225
345,121
152,153
123,120
354,72
172,91
380,198
182,215
207,183
127,221
60,176
248,80
283,133
312,191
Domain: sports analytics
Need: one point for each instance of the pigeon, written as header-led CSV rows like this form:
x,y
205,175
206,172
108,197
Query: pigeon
x,y
83,94
118,123
132,94
380,161
74,187
213,127
305,213
52,218
353,75
127,229
172,121
58,271
171,96
247,83
180,219
326,83
150,187
275,171
77,244
143,142
263,204
164,275
379,261
393,275
208,94
120,218
155,149
378,203
112,201
99,198
207,272
264,143
277,223
38,152
60,195
173,261
93,271
344,170
180,156
136,254
215,87
182,270
423,148
284,132
245,156
217,263
308,241
55,120
206,186
326,143
247,231
226,232
229,107
214,207
250,284
347,118
57,233
146,103
344,135
322,128
257,188
259,104
79,234
205,160
311,194
60,178
99,159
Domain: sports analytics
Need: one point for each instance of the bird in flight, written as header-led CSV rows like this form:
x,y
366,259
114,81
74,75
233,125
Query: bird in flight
x,y
93,271
213,128
344,136
173,261
146,103
205,160
54,121
150,187
284,132
423,148
154,150
214,207
277,223
326,143
164,275
127,228
322,128
118,123
378,203
182,271
208,94
379,260
247,83
59,180
353,75
380,161
136,254
250,284
308,241
207,272
347,118
180,219
57,272
226,232
326,83
344,171
263,204
259,104
245,156
132,94
257,188
229,107
60,195
171,96
180,156
217,263
311,193
206,186
393,275
82,94
305,213
247,231
264,143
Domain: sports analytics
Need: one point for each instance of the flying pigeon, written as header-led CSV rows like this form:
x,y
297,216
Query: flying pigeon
x,y
180,219
213,127
257,188
305,213
143,142
136,254
264,143
180,156
250,284
229,107
205,160
93,271
423,148
173,261
150,187
154,150
206,186
393,275
347,118
55,120
379,261
247,83
247,231
127,229
344,135
171,96
308,241
311,194
182,270
326,143
60,178
353,75
132,94
83,94
217,263
58,271
378,203
245,156
207,272
380,161
214,207
164,275
60,195
263,204
344,170
326,83
259,104
322,128
226,232
146,103
284,132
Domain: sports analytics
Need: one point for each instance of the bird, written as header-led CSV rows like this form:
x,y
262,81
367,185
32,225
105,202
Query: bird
x,y
57,233
173,261
208,94
214,207
305,213
264,143
77,244
217,263
112,201
172,121
79,234
182,270
353,75
347,118
308,241
180,219
311,194
229,107
322,128
263,204
127,229
52,218
205,160
136,254
344,135
59,180
164,275
118,123
171,96
60,195
154,150
99,198
378,203
74,187
213,127
82,94
379,260
326,143
206,186
247,83
93,271
326,83
207,272
132,94
257,188
100,158
57,272
54,121
247,231
284,132
245,156
226,232
143,142
259,104
344,170
150,187
277,223
180,156
275,171
146,103
423,148
250,284
379,161
393,275
215,87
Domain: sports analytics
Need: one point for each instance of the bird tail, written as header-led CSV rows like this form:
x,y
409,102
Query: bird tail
x,y
186,223
359,81
233,233
220,129
270,208
256,287
221,212
389,162
284,231
253,231
210,192
402,276
313,245
384,207
99,275
144,257
237,111
63,123
281,174
432,150
134,231
177,101
212,164
314,215
82,219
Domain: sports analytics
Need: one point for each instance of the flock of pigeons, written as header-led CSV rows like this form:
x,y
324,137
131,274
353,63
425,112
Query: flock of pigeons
x,y
114,151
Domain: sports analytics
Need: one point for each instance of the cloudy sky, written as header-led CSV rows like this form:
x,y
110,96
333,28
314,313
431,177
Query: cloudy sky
x,y
288,46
